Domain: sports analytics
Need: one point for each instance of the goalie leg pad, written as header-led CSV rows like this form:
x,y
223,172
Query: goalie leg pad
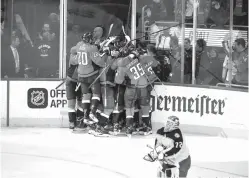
x,y
184,167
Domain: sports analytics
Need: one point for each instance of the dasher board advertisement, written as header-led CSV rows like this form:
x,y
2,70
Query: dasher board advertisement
x,y
37,103
3,102
200,106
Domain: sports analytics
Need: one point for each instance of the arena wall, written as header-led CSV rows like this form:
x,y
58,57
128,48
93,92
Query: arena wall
x,y
211,111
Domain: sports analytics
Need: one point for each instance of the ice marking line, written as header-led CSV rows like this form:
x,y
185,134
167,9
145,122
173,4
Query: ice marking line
x,y
72,161
107,169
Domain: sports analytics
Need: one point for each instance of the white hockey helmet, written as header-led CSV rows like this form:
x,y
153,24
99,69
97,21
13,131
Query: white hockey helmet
x,y
172,123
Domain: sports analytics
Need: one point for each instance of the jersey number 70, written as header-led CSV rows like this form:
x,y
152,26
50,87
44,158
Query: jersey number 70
x,y
82,58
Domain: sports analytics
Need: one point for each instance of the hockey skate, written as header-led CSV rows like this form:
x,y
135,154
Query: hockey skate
x,y
129,131
93,117
116,130
145,131
88,121
101,132
80,126
71,125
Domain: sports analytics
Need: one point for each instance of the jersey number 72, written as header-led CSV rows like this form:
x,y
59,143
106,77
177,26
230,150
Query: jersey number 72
x,y
82,58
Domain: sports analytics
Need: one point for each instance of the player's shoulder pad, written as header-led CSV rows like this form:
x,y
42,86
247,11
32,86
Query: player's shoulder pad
x,y
160,131
177,133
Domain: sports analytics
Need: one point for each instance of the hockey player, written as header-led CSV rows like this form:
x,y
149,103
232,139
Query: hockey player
x,y
136,72
89,61
171,150
151,77
107,92
71,85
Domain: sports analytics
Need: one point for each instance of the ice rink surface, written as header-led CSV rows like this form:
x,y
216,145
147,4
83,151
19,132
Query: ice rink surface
x,y
52,153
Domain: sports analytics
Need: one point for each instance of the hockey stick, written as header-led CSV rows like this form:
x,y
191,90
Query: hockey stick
x,y
105,90
108,35
60,84
110,30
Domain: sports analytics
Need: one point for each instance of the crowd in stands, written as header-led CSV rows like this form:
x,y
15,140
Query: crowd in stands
x,y
212,50
30,42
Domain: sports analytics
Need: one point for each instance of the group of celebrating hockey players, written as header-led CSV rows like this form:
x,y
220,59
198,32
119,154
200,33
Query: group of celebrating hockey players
x,y
109,82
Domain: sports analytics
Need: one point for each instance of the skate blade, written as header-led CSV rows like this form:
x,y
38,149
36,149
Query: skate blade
x,y
91,132
79,130
101,135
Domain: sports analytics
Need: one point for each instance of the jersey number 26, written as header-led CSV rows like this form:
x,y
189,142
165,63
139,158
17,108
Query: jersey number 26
x,y
82,58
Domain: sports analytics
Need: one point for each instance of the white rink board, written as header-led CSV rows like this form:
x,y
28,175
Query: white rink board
x,y
46,114
3,102
233,111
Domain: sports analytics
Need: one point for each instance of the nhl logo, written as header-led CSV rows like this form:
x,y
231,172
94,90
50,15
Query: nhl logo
x,y
37,98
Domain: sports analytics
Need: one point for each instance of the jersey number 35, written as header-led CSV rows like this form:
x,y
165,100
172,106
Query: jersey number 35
x,y
138,71
82,58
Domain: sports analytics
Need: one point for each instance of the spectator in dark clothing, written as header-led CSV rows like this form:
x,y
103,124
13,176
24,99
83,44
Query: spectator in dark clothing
x,y
12,66
175,60
207,65
47,54
240,58
160,10
187,61
240,13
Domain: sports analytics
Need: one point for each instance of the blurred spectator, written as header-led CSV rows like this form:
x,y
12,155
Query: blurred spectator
x,y
206,67
98,34
2,26
54,23
240,12
47,54
188,61
225,70
73,36
12,65
189,11
160,10
46,34
175,60
217,12
240,58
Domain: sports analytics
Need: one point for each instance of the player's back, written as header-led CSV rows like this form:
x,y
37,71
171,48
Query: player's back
x,y
87,56
149,62
136,74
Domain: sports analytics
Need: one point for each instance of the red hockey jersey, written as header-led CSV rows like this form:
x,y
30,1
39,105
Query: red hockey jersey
x,y
89,59
138,71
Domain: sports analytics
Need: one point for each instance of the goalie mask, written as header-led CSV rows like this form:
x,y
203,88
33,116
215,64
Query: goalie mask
x,y
172,123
